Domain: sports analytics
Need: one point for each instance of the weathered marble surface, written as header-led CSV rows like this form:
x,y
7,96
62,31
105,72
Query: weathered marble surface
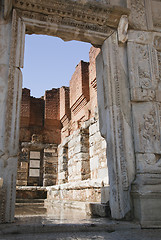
x,y
144,49
52,18
82,156
10,95
115,123
129,92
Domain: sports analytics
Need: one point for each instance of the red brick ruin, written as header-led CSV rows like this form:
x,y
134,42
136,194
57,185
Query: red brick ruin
x,y
60,141
61,111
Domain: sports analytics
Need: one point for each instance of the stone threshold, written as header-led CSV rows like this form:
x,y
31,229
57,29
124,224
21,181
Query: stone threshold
x,y
90,208
19,227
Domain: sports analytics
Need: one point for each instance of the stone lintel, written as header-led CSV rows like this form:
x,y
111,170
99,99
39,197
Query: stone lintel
x,y
53,17
105,14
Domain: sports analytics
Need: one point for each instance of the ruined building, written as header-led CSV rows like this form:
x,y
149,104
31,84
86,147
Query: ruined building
x,y
128,70
60,142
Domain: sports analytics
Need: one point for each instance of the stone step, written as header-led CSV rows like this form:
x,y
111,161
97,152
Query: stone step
x,y
29,201
93,226
31,193
100,209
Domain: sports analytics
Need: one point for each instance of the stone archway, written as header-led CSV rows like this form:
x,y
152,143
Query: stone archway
x,y
128,90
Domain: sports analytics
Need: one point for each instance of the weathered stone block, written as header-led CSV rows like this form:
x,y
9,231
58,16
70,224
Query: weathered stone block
x,y
146,127
94,163
105,195
148,163
103,173
94,128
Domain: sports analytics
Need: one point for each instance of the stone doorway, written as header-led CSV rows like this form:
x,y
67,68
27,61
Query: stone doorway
x,y
56,19
79,170
128,76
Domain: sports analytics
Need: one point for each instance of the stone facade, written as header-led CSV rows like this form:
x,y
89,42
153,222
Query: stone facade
x,y
128,87
60,142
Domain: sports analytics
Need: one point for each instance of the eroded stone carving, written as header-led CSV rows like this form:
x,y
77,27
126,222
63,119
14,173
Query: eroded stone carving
x,y
138,14
146,125
76,10
155,9
148,163
122,29
149,127
145,67
53,17
115,125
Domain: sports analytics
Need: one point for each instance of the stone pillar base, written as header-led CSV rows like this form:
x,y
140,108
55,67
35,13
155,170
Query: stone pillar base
x,y
147,205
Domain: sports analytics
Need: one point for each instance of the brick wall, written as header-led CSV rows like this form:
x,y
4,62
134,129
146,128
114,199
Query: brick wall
x,y
79,88
52,124
36,111
25,108
92,79
64,102
40,116
67,117
62,111
52,108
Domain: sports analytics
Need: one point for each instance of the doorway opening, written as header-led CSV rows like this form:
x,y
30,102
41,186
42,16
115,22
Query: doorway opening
x,y
62,154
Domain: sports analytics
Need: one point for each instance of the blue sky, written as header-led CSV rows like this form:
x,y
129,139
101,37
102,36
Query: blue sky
x,y
49,62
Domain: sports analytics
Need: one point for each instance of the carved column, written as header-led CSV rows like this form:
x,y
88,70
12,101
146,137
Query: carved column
x,y
12,34
144,60
115,122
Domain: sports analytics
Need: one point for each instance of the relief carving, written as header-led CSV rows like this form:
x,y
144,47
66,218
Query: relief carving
x,y
157,43
104,14
63,21
155,9
148,163
149,128
144,71
119,122
138,14
2,204
143,94
146,127
159,64
159,114
152,159
158,92
144,66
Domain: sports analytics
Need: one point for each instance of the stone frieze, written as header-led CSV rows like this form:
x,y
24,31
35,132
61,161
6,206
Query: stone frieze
x,y
105,14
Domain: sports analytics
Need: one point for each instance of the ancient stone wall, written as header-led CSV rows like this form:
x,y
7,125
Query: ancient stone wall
x,y
97,153
128,77
50,165
70,114
82,163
